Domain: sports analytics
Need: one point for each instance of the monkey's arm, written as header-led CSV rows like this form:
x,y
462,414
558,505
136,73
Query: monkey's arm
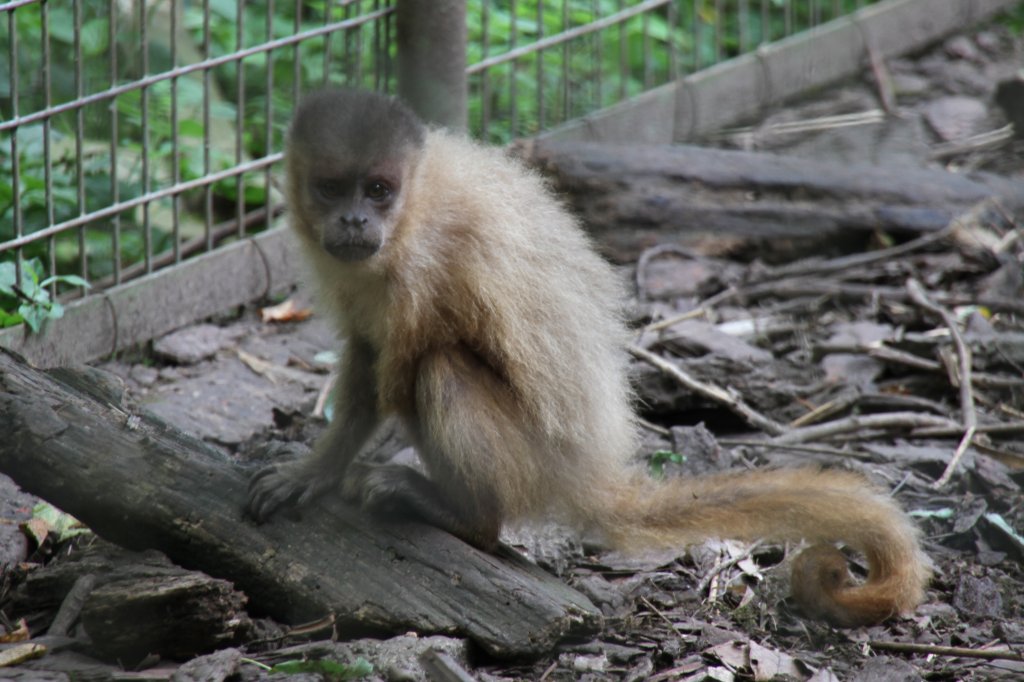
x,y
355,419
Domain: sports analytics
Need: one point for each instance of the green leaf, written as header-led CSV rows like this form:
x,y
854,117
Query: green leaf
x,y
73,280
34,315
62,523
8,277
332,670
9,319
660,458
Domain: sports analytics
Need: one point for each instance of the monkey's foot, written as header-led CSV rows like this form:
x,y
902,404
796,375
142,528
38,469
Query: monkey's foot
x,y
282,485
389,489
398,491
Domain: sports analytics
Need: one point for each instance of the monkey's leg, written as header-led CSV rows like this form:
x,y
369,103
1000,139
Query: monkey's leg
x,y
465,425
355,418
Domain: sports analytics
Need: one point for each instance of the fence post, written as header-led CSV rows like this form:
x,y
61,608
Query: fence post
x,y
432,59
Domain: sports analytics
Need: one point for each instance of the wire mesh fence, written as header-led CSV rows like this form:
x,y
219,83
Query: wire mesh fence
x,y
136,133
535,65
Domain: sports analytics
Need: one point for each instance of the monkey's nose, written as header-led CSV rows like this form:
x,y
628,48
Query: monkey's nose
x,y
354,220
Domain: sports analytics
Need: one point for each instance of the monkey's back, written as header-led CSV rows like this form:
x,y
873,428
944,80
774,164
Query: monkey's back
x,y
497,265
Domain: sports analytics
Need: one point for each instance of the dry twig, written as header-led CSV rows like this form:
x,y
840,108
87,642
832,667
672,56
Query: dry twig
x,y
962,652
963,352
890,420
726,397
724,565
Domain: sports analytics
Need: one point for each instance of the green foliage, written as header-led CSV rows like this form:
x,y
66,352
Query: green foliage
x,y
1014,19
249,97
569,80
656,465
34,305
62,524
330,670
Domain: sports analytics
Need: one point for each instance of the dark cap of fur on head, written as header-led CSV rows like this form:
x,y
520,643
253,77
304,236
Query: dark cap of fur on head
x,y
365,124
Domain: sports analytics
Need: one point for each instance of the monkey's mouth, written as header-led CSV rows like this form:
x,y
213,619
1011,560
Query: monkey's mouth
x,y
349,249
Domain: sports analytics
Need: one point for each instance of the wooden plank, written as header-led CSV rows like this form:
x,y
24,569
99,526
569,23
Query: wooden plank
x,y
125,316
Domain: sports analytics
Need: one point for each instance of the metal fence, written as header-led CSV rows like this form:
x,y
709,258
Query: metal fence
x,y
534,65
136,133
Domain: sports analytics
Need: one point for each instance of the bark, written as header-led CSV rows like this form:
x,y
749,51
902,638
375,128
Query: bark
x,y
634,197
70,437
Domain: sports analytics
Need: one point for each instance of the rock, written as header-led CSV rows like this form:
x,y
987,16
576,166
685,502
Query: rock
x,y
886,669
191,345
954,118
1010,98
978,597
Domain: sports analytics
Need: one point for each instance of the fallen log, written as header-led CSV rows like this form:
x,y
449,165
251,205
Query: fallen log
x,y
71,438
634,197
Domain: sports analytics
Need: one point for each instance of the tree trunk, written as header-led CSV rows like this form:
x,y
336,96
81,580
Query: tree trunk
x,y
69,437
751,203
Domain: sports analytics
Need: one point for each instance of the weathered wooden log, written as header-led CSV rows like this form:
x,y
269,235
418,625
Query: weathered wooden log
x,y
633,197
71,439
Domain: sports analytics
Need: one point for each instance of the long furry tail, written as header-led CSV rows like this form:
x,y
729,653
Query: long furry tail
x,y
820,506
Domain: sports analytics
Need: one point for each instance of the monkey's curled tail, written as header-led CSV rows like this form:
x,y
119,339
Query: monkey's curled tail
x,y
787,505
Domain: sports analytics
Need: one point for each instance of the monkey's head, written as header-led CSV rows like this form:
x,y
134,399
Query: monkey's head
x,y
350,157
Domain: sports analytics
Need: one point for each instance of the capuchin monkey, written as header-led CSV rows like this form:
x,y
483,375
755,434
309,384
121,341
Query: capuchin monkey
x,y
477,311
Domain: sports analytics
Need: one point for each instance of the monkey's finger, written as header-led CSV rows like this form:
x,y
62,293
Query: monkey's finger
x,y
268,492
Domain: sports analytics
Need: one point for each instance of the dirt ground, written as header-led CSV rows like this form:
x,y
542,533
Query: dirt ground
x,y
798,352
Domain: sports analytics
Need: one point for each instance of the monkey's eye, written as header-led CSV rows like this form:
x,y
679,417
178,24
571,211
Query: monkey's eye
x,y
377,190
328,190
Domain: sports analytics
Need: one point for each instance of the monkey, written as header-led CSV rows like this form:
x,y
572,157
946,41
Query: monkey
x,y
477,311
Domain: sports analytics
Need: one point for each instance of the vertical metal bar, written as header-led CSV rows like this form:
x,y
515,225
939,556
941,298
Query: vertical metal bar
x,y
697,36
540,67
645,29
623,58
80,140
349,60
485,80
115,188
240,118
431,38
598,58
207,188
357,61
815,18
51,246
766,22
12,33
384,57
297,54
565,63
175,143
327,40
377,72
788,10
744,21
513,71
268,194
673,48
147,225
719,23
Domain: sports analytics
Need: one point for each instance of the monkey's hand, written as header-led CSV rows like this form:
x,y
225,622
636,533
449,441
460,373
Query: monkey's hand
x,y
288,484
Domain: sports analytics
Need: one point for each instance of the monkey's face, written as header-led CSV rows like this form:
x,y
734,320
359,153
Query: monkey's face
x,y
353,211
351,156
